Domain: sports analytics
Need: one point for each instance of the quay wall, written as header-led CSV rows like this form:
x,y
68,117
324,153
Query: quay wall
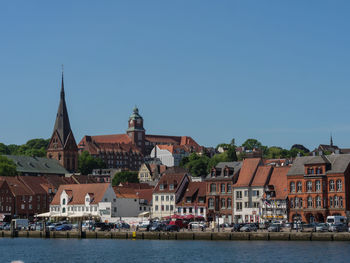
x,y
302,236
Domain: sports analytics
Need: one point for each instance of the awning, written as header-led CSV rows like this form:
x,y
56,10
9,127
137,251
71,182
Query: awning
x,y
144,214
47,214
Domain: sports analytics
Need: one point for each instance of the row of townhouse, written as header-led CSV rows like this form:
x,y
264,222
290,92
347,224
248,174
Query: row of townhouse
x,y
255,190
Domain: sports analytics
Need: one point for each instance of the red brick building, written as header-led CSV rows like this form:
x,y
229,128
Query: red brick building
x,y
219,184
318,186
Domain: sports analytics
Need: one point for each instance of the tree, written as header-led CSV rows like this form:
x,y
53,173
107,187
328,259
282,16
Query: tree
x,y
125,176
7,167
251,144
86,163
4,149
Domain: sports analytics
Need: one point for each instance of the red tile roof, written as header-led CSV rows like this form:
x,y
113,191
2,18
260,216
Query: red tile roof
x,y
249,167
194,190
279,181
136,185
79,192
145,194
262,175
16,186
125,192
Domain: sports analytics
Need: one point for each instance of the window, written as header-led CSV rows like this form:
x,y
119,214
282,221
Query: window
x,y
318,201
299,187
229,202
156,208
340,201
245,193
225,173
318,186
229,188
171,207
223,203
161,187
339,185
188,199
63,210
239,195
156,198
330,202
211,203
331,185
336,201
212,188
64,201
162,198
291,202
171,198
190,210
171,187
246,204
184,210
319,170
309,186
296,202
222,188
213,173
167,208
256,204
201,210
167,198
239,206
309,202
162,207
292,187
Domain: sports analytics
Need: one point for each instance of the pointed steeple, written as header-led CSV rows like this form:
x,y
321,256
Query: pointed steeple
x,y
62,125
331,140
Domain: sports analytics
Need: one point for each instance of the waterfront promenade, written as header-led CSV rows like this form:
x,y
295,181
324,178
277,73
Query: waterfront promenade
x,y
188,235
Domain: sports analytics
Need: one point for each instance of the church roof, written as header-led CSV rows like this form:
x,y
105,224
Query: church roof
x,y
62,125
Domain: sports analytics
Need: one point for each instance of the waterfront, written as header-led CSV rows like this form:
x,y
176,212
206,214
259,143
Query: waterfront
x,y
104,250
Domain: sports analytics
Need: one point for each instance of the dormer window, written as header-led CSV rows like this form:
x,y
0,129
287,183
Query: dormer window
x,y
161,187
319,170
188,200
63,201
225,172
87,199
171,187
213,173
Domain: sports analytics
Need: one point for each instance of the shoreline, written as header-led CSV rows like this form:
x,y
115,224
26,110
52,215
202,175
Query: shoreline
x,y
266,236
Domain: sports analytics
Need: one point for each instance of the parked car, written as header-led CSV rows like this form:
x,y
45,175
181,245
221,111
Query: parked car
x,y
197,225
122,225
321,227
52,226
179,222
100,226
172,228
274,228
237,227
248,228
308,227
157,226
287,225
63,227
338,227
143,226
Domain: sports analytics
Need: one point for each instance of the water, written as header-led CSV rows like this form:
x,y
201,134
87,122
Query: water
x,y
107,250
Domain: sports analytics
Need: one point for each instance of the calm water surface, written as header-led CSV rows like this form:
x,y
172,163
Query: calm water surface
x,y
95,250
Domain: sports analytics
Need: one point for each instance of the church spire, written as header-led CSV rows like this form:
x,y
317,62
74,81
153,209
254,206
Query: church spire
x,y
62,85
331,140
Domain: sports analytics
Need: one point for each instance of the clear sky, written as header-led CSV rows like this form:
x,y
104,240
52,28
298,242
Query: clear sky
x,y
278,71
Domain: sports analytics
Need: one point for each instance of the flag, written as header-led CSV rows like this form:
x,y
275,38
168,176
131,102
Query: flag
x,y
267,202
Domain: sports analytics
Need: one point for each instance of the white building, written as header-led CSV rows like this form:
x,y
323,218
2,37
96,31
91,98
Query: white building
x,y
169,155
84,201
249,191
168,193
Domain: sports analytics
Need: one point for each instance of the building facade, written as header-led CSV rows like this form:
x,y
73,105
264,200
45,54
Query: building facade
x,y
318,187
170,155
219,189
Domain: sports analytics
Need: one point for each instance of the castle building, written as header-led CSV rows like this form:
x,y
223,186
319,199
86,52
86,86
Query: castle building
x,y
127,151
62,145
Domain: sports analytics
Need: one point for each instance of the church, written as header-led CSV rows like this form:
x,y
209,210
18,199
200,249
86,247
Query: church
x,y
122,151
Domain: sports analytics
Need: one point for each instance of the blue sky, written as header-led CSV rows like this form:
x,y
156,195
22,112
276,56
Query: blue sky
x,y
278,71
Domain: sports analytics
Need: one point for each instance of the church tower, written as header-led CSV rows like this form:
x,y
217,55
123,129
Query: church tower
x,y
62,146
135,130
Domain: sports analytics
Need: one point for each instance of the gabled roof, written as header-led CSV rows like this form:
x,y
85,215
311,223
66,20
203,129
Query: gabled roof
x,y
166,180
262,175
145,194
79,191
320,159
234,168
125,192
28,164
247,173
279,181
338,164
34,183
17,188
194,191
135,185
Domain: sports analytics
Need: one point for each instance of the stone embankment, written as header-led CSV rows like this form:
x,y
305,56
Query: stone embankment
x,y
304,236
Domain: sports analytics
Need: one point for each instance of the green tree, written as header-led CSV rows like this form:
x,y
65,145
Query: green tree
x,y
125,176
86,163
4,149
251,144
7,167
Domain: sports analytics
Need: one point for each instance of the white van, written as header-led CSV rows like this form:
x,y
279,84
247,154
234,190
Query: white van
x,y
331,220
21,224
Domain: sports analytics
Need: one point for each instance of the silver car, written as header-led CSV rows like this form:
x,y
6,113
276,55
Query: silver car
x,y
274,228
248,228
339,227
321,227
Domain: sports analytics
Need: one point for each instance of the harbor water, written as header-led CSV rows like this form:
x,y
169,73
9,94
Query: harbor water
x,y
30,250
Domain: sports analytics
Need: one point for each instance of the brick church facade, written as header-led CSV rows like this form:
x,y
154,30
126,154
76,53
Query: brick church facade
x,y
127,151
